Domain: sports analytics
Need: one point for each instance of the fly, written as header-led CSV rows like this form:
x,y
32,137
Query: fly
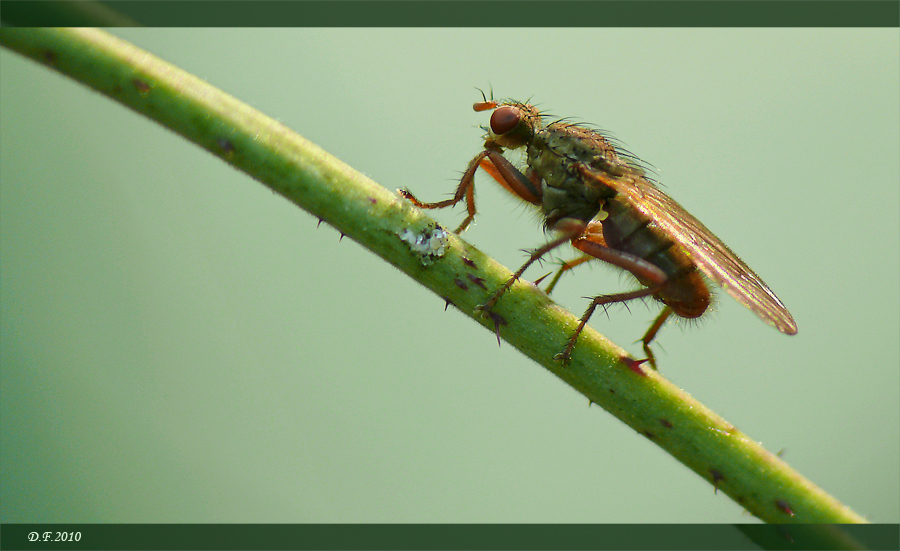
x,y
593,195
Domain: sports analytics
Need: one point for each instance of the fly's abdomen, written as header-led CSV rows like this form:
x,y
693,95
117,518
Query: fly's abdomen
x,y
684,290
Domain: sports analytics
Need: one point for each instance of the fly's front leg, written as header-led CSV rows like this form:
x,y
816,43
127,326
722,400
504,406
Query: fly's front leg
x,y
653,277
511,178
494,163
465,189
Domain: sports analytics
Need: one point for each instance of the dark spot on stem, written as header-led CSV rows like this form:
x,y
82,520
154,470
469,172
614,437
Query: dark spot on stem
x,y
717,477
225,145
476,280
785,507
785,534
140,85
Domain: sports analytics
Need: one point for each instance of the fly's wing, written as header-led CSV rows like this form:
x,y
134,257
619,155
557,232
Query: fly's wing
x,y
712,256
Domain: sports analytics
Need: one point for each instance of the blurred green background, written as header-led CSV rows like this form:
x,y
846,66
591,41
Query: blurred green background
x,y
178,344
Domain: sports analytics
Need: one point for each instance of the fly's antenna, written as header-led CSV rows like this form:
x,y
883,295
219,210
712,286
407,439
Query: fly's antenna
x,y
485,98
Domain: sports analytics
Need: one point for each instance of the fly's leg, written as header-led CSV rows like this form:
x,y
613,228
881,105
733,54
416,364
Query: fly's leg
x,y
598,301
507,175
569,230
651,334
592,233
495,164
535,255
649,274
465,189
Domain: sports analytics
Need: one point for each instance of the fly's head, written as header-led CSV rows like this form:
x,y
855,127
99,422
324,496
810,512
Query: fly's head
x,y
513,124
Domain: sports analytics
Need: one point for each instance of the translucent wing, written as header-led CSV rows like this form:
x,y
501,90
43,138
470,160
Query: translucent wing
x,y
712,256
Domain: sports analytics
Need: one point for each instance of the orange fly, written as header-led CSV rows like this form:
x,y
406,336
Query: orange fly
x,y
593,195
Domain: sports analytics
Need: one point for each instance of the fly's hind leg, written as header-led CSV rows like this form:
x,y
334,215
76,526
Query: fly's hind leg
x,y
651,334
649,274
603,300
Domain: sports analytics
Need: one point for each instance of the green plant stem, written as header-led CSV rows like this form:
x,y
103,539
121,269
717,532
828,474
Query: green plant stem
x,y
387,225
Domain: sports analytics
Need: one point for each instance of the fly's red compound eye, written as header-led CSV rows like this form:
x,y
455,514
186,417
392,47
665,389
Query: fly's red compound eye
x,y
505,119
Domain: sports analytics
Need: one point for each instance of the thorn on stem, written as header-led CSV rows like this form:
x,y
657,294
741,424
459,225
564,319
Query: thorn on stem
x,y
634,365
476,280
717,477
785,507
498,321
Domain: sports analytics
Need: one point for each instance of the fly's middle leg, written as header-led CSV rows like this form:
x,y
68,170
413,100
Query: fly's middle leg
x,y
566,266
535,255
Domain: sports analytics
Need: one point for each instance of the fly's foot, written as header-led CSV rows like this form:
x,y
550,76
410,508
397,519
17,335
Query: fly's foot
x,y
651,359
566,355
485,309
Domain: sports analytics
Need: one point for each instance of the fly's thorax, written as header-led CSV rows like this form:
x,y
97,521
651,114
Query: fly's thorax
x,y
559,203
628,231
553,155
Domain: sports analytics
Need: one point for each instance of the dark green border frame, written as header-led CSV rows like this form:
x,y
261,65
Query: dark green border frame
x,y
127,537
454,13
462,13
